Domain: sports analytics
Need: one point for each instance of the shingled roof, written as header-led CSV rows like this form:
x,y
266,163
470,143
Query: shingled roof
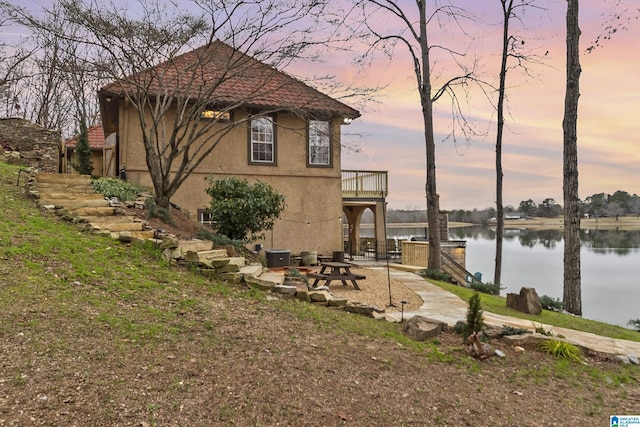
x,y
228,76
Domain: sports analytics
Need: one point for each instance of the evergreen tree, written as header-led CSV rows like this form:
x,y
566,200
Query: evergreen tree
x,y
82,161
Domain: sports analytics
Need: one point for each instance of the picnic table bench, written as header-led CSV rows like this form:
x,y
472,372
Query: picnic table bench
x,y
338,271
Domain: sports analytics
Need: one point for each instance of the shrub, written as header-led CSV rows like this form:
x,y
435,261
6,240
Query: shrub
x,y
549,303
562,350
474,320
486,288
510,330
436,275
114,187
241,210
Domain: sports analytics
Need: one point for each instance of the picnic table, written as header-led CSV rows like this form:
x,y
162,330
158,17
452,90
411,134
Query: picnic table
x,y
337,271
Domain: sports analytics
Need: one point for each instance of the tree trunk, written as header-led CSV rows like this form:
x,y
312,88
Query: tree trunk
x,y
433,203
506,11
572,292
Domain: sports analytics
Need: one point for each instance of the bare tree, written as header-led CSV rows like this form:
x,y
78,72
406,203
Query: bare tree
x,y
511,48
572,288
411,32
152,58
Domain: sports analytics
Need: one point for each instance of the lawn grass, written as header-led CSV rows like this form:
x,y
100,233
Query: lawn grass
x,y
498,305
43,248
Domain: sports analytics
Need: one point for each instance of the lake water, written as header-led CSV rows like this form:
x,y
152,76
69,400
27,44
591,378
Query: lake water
x,y
610,265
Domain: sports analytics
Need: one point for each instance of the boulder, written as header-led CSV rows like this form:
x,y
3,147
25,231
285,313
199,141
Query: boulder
x,y
527,301
319,296
284,290
356,307
421,328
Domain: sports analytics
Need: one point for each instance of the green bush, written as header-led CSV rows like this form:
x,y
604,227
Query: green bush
x,y
474,321
549,303
243,211
562,350
114,187
486,288
510,330
436,275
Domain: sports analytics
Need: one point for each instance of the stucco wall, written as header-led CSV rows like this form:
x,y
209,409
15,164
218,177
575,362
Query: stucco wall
x,y
38,147
311,220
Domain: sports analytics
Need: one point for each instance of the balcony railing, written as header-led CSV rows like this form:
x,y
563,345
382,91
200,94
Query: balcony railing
x,y
364,184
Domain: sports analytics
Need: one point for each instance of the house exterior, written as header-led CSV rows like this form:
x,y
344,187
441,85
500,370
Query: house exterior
x,y
275,129
96,143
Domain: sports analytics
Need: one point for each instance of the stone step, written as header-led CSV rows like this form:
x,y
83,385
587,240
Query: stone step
x,y
65,188
213,253
253,270
194,245
240,261
266,281
189,246
118,226
63,178
70,204
116,219
95,211
74,195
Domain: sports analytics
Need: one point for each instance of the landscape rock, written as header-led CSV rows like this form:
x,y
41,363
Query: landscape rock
x,y
169,242
231,277
259,283
358,308
319,296
285,290
633,359
623,359
421,328
335,301
125,237
302,293
527,301
229,268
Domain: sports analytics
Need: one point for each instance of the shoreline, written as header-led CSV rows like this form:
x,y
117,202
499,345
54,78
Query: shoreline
x,y
625,223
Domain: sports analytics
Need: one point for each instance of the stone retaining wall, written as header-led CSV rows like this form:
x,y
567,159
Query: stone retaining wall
x,y
30,145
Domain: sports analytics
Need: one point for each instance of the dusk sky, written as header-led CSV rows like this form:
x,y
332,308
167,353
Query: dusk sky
x,y
608,127
390,132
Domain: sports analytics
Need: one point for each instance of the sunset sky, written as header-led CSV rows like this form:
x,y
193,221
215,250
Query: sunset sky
x,y
608,127
390,131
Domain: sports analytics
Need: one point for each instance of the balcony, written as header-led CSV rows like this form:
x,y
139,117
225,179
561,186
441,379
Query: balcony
x,y
364,185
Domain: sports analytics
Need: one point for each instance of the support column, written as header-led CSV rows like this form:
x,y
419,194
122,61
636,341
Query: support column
x,y
380,229
354,215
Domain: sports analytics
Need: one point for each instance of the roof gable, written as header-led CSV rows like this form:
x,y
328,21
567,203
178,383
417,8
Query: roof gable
x,y
227,76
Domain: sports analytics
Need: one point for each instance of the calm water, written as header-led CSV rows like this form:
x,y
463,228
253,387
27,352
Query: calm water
x,y
610,266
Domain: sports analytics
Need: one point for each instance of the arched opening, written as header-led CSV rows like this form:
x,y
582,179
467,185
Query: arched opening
x,y
374,245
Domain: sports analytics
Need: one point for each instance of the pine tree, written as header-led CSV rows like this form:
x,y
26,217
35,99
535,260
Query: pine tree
x,y
82,162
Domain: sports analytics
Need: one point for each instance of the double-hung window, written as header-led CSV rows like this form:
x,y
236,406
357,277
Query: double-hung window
x,y
319,143
262,140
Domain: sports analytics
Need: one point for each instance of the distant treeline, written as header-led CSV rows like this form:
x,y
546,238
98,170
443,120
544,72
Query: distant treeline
x,y
598,205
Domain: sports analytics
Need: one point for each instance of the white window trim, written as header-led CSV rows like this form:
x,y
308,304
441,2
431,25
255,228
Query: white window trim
x,y
266,142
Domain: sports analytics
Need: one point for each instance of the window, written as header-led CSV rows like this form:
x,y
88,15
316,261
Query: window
x,y
205,217
222,116
262,139
319,143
